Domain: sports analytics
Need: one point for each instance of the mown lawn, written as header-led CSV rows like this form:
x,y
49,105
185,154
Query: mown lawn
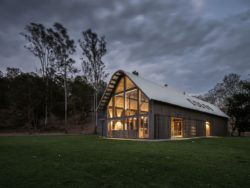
x,y
90,161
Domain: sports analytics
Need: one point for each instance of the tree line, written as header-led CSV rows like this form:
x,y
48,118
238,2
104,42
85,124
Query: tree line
x,y
33,99
232,96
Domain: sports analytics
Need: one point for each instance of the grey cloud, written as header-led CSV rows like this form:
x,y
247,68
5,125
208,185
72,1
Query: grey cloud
x,y
166,41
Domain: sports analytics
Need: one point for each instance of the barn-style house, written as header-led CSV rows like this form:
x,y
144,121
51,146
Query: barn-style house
x,y
133,107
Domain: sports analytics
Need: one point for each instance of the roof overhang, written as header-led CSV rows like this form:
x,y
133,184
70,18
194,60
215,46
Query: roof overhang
x,y
109,89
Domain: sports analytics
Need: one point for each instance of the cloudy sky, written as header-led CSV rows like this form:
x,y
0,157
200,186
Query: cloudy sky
x,y
190,44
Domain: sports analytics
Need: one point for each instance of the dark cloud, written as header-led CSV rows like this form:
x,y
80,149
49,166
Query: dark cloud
x,y
189,44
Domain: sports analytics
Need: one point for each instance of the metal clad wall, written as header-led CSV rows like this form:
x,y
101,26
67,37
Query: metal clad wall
x,y
200,127
162,118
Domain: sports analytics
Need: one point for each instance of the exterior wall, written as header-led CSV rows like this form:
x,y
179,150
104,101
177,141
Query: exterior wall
x,y
126,113
162,125
151,120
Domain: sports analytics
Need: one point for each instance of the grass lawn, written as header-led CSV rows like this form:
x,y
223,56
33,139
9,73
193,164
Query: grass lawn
x,y
90,161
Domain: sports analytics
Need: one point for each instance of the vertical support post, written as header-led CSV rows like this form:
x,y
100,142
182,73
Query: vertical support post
x,y
138,111
124,100
151,123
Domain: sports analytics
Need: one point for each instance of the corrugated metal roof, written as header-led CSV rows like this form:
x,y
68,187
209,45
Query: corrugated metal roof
x,y
166,94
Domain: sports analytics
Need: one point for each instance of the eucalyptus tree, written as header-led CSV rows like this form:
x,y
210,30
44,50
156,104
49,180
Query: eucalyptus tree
x,y
63,48
93,50
218,95
41,44
239,108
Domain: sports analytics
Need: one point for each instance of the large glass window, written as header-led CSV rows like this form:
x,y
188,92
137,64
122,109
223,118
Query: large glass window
x,y
119,105
131,99
110,108
143,127
131,123
127,111
120,86
144,104
129,83
119,125
176,127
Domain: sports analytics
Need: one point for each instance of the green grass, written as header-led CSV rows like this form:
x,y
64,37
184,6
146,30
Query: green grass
x,y
90,161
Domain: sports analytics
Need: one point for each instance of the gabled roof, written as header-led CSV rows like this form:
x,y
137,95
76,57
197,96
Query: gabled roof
x,y
166,94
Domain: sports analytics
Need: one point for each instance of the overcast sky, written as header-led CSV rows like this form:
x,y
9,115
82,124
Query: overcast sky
x,y
190,44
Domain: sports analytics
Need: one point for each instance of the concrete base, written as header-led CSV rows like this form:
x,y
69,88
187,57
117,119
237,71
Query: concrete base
x,y
160,140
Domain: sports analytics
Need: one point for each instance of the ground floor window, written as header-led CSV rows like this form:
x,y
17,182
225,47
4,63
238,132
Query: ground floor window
x,y
131,123
119,125
143,130
192,130
128,127
176,127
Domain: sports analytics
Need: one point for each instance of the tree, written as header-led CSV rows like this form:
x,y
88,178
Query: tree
x,y
218,95
63,48
93,50
12,72
21,99
80,98
22,102
41,44
239,109
232,96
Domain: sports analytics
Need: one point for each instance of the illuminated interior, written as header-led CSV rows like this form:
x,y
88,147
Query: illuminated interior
x,y
120,86
143,132
176,127
131,105
208,128
119,105
131,123
127,109
110,109
118,125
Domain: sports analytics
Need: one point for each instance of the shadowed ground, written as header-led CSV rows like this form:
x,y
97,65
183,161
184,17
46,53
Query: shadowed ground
x,y
90,161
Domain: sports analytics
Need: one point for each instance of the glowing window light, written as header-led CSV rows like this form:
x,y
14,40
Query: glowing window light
x,y
118,125
119,112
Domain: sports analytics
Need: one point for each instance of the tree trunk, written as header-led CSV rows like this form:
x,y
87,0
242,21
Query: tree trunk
x,y
46,103
46,114
65,102
96,112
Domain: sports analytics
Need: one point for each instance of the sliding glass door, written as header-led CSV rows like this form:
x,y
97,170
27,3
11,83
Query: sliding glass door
x,y
176,127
